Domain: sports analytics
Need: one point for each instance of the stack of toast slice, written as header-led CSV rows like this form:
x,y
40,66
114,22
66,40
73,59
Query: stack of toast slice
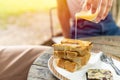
x,y
72,54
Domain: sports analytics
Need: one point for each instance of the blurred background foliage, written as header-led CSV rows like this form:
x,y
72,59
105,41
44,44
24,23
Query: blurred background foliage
x,y
16,7
25,20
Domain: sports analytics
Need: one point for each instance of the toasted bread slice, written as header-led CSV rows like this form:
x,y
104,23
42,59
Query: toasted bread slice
x,y
70,47
60,54
65,54
82,60
67,65
72,56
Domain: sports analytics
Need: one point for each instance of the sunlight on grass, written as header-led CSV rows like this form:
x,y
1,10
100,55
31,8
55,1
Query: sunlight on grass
x,y
16,7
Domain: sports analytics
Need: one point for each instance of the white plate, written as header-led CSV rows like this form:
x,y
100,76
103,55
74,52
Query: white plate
x,y
93,63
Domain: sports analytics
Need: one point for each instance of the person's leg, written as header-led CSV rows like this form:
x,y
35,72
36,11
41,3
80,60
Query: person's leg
x,y
90,29
117,33
15,61
85,29
109,27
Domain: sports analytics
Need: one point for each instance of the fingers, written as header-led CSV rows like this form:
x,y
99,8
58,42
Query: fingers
x,y
95,5
80,2
102,6
109,5
102,10
89,4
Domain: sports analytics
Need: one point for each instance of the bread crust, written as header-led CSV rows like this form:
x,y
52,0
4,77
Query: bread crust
x,y
72,54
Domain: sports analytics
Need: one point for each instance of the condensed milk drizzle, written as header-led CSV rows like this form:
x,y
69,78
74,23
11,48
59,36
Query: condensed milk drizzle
x,y
75,28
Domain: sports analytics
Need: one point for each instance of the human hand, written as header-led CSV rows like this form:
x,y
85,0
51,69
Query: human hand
x,y
104,8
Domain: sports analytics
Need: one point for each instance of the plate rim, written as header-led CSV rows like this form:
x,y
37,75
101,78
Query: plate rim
x,y
53,70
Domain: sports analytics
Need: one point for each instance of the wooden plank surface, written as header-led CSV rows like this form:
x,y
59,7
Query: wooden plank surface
x,y
110,45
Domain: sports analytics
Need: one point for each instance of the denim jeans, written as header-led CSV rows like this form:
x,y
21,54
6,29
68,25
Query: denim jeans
x,y
85,28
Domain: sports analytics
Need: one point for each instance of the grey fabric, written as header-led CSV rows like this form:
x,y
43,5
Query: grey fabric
x,y
15,61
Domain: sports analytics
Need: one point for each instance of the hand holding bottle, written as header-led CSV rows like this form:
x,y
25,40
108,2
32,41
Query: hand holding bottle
x,y
95,10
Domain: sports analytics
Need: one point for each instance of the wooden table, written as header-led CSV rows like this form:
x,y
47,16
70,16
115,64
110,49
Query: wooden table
x,y
110,45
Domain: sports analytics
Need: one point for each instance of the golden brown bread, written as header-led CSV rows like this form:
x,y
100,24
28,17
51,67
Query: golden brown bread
x,y
66,64
84,44
60,63
72,54
71,47
59,54
65,54
74,65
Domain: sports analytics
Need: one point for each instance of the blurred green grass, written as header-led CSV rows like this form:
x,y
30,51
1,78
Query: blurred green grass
x,y
16,7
